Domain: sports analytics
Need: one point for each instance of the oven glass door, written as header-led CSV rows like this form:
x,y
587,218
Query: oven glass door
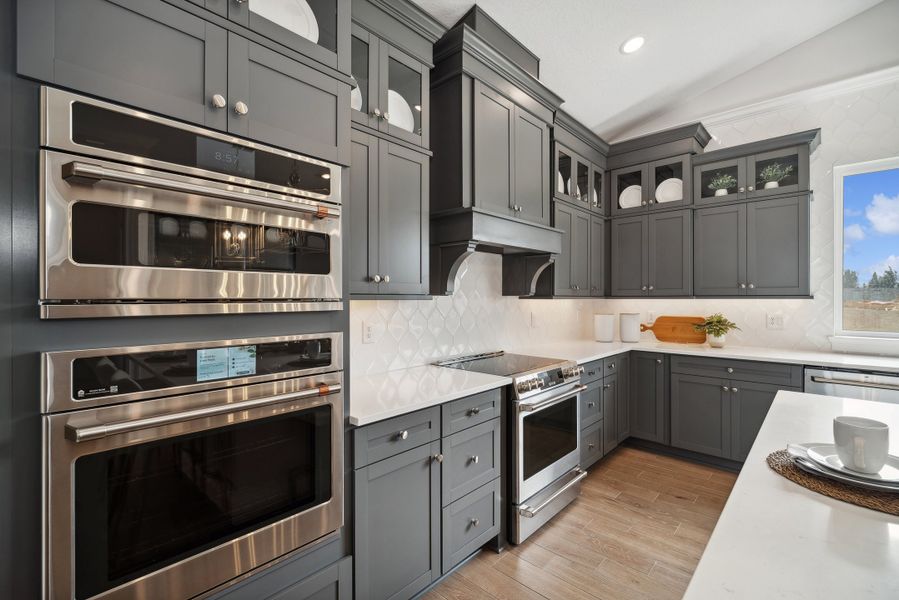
x,y
548,436
142,507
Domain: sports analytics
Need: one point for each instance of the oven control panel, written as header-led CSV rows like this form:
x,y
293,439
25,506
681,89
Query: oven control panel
x,y
534,383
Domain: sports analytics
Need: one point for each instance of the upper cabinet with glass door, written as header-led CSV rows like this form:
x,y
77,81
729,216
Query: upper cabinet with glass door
x,y
659,185
318,29
579,163
772,167
391,86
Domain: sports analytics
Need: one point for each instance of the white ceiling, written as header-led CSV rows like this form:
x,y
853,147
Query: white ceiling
x,y
691,47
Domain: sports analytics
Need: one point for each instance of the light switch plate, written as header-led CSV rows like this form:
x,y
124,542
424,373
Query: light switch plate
x,y
774,321
371,331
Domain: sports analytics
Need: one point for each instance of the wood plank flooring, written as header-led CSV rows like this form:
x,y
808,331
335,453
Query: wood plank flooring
x,y
636,533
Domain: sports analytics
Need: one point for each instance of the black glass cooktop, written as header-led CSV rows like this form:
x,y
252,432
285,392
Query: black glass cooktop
x,y
500,363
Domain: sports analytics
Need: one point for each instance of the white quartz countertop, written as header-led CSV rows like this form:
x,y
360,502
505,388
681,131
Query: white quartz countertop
x,y
394,393
776,539
584,351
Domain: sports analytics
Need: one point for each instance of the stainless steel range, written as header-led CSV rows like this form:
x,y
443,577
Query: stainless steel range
x,y
545,433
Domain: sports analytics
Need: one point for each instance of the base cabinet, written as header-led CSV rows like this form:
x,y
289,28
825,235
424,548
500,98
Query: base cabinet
x,y
649,397
701,415
749,407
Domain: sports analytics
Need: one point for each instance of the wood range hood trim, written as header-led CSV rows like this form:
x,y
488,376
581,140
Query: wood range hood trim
x,y
457,234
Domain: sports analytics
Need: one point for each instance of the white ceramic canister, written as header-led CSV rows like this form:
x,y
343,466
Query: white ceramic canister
x,y
629,327
604,328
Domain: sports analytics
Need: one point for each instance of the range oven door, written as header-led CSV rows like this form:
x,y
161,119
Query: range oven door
x,y
152,242
169,498
547,439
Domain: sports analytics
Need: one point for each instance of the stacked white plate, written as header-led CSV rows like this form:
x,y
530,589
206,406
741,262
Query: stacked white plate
x,y
822,460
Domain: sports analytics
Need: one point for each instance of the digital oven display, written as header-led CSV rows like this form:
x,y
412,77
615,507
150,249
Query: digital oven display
x,y
221,363
223,157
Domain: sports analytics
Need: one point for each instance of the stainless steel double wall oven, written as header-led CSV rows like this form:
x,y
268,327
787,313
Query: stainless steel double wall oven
x,y
172,469
143,215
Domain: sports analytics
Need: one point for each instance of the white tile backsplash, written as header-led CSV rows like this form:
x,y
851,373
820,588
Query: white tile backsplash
x,y
857,126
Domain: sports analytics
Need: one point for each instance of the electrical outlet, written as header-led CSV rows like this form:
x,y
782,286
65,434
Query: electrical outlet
x,y
371,332
774,321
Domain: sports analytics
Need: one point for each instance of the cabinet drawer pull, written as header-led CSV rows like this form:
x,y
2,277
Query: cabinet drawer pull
x,y
591,446
591,404
473,412
658,361
730,369
611,365
474,459
437,457
402,435
475,522
218,101
241,108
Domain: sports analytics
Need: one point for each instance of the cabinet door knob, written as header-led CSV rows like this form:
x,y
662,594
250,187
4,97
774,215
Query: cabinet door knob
x,y
241,108
474,411
734,390
607,386
742,189
643,203
437,457
475,522
241,1
386,278
751,286
658,361
742,286
376,113
474,459
611,365
651,288
750,189
386,116
730,369
218,101
402,435
643,288
575,287
725,388
376,279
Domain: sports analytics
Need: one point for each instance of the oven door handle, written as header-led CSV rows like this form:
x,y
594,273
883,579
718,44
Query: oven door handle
x,y
551,401
93,432
531,512
89,174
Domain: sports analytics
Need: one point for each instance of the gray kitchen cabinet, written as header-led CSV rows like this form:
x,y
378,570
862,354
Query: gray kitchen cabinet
x,y
572,267
591,403
397,524
591,444
623,398
649,401
471,522
323,38
219,7
610,413
663,184
701,414
299,579
750,402
651,254
393,88
332,583
511,157
630,189
150,55
579,163
278,95
629,256
777,247
597,256
388,207
758,170
670,254
719,250
471,459
753,248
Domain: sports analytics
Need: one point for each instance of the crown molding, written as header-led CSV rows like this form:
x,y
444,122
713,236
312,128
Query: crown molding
x,y
412,16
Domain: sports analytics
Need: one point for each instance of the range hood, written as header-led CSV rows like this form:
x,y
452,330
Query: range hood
x,y
527,248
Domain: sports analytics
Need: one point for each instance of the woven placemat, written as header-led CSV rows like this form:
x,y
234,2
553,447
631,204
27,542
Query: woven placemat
x,y
885,502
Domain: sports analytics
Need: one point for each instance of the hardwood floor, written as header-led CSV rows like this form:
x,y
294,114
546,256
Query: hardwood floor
x,y
636,532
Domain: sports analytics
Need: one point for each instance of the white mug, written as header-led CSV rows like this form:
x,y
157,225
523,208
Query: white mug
x,y
862,444
604,328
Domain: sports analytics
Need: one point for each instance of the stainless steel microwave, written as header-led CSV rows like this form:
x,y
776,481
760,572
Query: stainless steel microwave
x,y
143,215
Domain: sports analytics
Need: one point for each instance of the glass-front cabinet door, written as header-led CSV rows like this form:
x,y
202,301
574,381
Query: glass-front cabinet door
x,y
670,182
720,181
404,84
564,166
582,182
597,189
311,27
364,70
629,189
777,172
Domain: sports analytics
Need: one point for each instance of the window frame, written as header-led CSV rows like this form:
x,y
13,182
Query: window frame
x,y
843,339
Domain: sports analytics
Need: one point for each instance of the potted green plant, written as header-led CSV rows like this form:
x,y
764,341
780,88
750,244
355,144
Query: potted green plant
x,y
773,174
716,327
721,182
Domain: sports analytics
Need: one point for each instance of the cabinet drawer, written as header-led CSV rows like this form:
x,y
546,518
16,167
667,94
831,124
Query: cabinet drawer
x,y
591,444
592,371
738,370
388,438
471,458
591,404
469,523
473,410
612,365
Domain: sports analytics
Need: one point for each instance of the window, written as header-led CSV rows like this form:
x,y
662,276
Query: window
x,y
867,250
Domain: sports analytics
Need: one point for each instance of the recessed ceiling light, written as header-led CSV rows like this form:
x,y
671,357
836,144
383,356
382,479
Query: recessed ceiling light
x,y
632,45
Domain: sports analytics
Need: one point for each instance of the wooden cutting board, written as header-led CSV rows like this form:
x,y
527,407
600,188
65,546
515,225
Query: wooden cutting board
x,y
676,329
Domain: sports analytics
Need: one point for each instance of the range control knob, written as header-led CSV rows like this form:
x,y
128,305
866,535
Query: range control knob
x,y
523,387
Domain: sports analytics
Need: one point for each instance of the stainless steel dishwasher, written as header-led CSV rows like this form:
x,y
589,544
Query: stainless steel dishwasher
x,y
865,385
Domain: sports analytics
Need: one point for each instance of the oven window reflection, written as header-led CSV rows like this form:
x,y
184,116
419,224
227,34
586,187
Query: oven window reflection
x,y
140,508
549,435
112,235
